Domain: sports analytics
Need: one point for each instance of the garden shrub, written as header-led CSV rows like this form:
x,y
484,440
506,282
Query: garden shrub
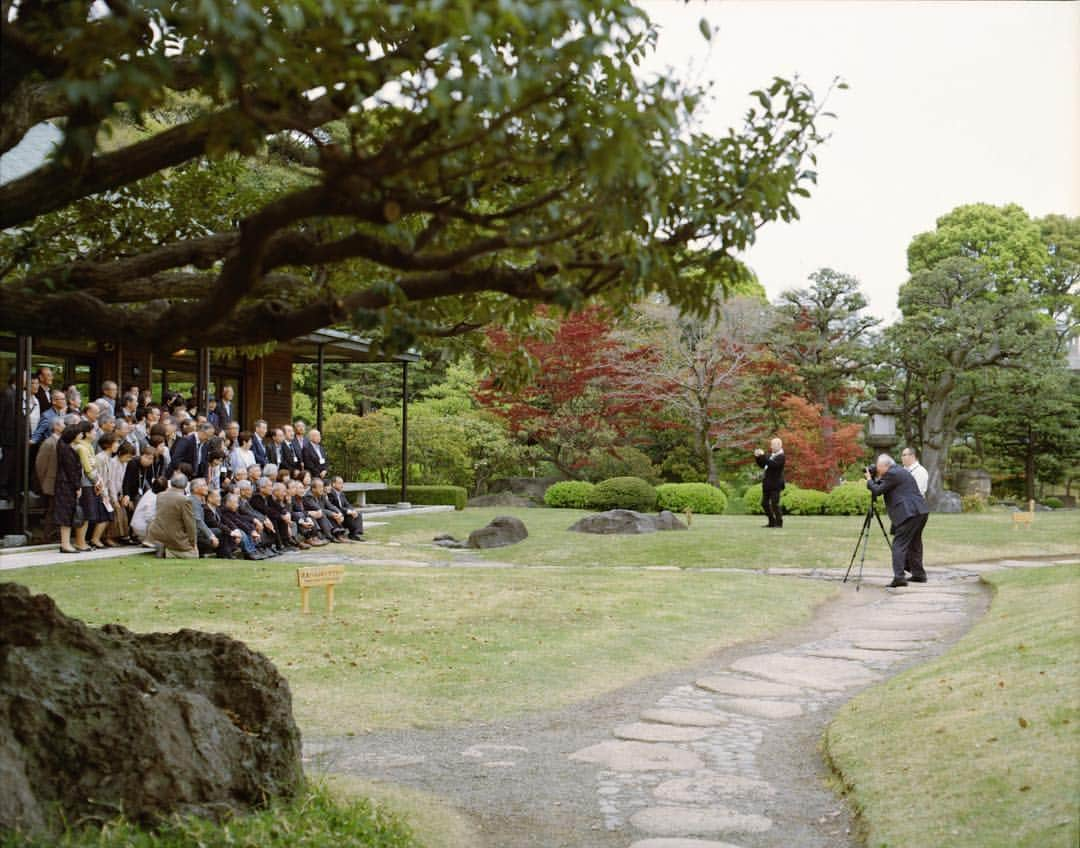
x,y
1053,503
972,503
848,499
752,499
796,501
454,496
569,494
699,498
626,461
624,493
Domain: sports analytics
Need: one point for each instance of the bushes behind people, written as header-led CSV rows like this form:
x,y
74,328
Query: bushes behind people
x,y
752,500
454,496
699,498
798,501
570,494
852,498
624,493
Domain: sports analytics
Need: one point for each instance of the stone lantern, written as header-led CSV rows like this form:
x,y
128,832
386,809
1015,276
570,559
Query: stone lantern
x,y
881,424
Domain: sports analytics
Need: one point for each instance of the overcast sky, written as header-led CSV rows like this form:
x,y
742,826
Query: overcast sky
x,y
950,103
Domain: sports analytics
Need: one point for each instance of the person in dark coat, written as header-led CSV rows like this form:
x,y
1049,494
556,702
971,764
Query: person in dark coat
x,y
353,517
233,520
68,489
212,516
772,483
908,513
313,505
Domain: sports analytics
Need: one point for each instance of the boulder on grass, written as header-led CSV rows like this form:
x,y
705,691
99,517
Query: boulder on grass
x,y
502,499
947,501
627,521
502,531
95,721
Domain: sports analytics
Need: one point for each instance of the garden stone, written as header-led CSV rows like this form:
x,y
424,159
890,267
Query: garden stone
x,y
678,842
96,720
14,540
693,821
503,499
683,717
502,531
724,684
758,708
638,756
946,502
709,787
643,731
532,488
825,674
626,521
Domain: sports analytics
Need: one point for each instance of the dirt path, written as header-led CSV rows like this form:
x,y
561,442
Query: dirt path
x,y
724,755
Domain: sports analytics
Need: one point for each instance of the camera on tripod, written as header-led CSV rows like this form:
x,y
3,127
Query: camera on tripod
x,y
871,470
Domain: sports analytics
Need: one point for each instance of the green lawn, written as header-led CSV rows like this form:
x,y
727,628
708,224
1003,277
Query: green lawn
x,y
727,541
427,647
981,748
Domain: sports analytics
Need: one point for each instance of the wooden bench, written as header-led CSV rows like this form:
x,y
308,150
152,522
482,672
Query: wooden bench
x,y
363,489
1027,518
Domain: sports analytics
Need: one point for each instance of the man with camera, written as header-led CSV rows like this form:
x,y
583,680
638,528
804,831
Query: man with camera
x,y
772,484
907,511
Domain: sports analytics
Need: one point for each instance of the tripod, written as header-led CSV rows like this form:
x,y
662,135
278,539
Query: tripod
x,y
864,541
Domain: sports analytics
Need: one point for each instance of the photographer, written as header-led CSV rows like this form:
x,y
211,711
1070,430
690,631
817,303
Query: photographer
x,y
773,482
907,511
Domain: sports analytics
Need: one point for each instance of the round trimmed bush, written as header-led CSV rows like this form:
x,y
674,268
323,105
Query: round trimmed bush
x,y
752,499
569,494
699,498
623,493
1053,503
796,501
848,499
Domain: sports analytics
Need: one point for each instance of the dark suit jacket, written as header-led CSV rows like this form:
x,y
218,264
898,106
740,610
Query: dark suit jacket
x,y
259,449
901,493
774,472
187,450
281,455
44,401
311,459
338,500
225,418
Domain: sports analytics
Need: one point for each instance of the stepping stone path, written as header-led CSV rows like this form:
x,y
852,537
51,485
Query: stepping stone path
x,y
667,788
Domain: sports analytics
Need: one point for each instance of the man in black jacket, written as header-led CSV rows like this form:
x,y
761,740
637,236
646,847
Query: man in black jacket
x,y
773,482
908,512
313,456
352,517
193,450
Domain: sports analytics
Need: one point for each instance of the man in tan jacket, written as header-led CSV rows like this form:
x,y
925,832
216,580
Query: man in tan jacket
x,y
172,532
45,472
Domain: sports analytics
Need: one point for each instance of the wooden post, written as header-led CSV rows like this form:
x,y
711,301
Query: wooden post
x,y
305,597
318,575
404,431
320,364
329,598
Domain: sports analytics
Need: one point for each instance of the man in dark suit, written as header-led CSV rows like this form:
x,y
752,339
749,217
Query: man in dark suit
x,y
352,517
772,484
280,453
297,440
313,455
225,412
258,442
193,449
908,512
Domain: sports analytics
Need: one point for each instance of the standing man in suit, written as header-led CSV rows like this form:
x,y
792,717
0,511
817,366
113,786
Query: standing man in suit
x,y
298,441
193,449
44,390
908,512
773,482
289,460
225,411
258,442
314,457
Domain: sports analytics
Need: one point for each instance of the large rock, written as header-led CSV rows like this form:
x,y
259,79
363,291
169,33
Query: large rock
x,y
532,488
502,499
502,531
945,502
627,521
95,721
972,481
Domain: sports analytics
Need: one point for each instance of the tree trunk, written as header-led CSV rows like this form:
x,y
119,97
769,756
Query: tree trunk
x,y
1029,469
939,430
708,456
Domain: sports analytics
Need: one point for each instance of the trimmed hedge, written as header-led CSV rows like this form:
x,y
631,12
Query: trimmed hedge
x,y
569,494
1053,503
623,493
454,496
752,500
796,501
848,499
699,498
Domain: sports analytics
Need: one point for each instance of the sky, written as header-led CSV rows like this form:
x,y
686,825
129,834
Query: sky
x,y
949,103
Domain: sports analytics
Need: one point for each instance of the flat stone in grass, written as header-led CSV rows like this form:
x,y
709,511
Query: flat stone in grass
x,y
707,788
638,756
814,672
725,684
678,842
643,731
857,654
762,709
898,638
694,821
626,521
884,647
916,622
689,718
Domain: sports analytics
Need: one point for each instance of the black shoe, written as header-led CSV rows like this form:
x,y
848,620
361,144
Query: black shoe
x,y
897,583
917,578
767,526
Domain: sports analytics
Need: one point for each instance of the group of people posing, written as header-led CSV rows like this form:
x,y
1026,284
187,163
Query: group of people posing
x,y
125,470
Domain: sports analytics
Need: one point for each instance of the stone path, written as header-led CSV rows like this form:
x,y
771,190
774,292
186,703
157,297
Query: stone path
x,y
725,755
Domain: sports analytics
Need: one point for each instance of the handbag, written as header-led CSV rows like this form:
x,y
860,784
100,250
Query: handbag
x,y
79,516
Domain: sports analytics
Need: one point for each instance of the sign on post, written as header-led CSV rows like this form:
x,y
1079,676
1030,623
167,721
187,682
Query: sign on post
x,y
319,575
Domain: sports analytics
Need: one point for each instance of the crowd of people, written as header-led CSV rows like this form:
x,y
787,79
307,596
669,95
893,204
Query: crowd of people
x,y
125,470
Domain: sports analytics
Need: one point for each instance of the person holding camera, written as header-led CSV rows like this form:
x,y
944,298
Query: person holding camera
x,y
908,513
772,483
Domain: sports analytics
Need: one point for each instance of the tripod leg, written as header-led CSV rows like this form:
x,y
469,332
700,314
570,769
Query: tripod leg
x,y
884,533
863,533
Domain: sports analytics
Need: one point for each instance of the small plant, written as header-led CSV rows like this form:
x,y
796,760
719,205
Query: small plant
x,y
972,503
796,501
700,498
1053,503
624,493
569,494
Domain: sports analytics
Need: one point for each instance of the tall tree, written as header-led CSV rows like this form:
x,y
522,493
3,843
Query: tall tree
x,y
446,165
819,450
824,332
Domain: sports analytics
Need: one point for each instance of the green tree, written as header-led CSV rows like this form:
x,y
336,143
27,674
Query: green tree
x,y
414,170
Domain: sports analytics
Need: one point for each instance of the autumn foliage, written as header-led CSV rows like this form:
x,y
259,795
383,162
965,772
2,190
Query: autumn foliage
x,y
817,446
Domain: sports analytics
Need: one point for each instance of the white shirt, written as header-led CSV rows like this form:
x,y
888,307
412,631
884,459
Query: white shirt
x,y
922,477
145,510
241,458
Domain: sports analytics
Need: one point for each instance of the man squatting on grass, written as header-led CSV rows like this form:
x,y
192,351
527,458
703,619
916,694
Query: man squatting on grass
x,y
907,512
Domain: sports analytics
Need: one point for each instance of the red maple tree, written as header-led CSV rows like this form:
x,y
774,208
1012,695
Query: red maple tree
x,y
817,446
584,392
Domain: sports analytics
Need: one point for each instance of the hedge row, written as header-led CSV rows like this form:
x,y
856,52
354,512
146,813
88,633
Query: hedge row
x,y
454,496
699,498
851,498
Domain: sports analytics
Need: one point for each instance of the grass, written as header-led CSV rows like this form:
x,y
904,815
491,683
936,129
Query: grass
x,y
430,647
737,541
980,748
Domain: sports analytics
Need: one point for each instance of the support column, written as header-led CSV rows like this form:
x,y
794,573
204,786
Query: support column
x,y
320,363
404,431
202,380
23,367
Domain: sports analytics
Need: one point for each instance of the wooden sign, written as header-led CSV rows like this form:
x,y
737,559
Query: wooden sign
x,y
319,575
1024,517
